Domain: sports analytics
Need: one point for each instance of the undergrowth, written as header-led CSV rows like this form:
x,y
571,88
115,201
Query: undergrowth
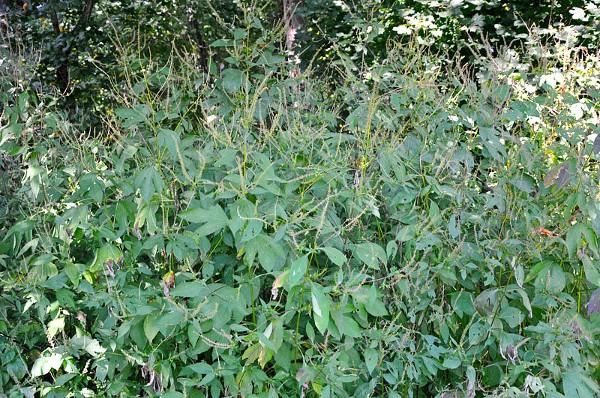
x,y
416,229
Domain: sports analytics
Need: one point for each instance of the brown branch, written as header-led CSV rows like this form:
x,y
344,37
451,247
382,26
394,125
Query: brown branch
x,y
86,13
291,23
55,22
62,72
199,39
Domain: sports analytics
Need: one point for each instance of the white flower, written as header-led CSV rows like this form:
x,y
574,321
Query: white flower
x,y
534,120
476,23
552,79
577,110
578,13
419,21
593,8
342,5
211,118
453,118
594,119
529,88
402,30
424,42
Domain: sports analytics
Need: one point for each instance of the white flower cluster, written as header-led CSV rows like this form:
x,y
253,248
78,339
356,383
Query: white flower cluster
x,y
417,22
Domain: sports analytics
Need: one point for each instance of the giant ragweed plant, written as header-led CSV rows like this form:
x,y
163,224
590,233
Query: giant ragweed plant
x,y
241,232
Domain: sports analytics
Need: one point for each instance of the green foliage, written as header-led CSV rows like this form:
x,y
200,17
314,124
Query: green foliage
x,y
416,230
75,46
362,31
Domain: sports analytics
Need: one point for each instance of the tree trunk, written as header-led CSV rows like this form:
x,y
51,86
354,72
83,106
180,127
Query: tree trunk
x,y
62,72
200,42
292,23
86,13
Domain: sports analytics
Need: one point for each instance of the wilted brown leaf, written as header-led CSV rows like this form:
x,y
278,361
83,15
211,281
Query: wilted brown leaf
x,y
593,305
563,176
551,176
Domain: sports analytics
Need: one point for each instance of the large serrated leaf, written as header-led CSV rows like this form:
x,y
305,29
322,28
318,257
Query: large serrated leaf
x,y
577,385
